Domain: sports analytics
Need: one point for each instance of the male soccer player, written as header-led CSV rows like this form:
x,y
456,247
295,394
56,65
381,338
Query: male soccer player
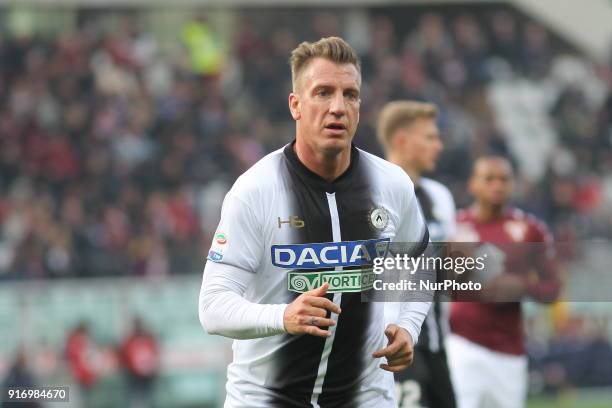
x,y
486,351
410,137
291,254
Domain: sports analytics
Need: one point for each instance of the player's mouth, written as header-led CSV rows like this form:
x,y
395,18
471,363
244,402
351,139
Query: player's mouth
x,y
336,127
498,196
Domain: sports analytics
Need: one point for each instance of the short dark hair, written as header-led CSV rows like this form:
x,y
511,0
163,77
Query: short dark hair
x,y
493,157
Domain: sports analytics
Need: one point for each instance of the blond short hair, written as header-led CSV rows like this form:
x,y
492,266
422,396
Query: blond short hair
x,y
400,114
334,49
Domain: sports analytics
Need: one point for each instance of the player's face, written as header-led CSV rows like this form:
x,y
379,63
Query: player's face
x,y
420,144
326,105
492,181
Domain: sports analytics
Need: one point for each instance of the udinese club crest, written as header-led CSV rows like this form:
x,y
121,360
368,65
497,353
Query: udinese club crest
x,y
379,218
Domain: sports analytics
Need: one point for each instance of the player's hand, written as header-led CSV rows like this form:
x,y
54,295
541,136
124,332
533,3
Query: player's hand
x,y
308,313
506,287
399,351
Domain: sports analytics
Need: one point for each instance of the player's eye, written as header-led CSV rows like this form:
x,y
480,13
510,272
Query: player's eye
x,y
353,96
322,92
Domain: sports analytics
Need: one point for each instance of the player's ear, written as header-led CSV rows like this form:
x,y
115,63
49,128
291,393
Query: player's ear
x,y
397,140
294,106
471,185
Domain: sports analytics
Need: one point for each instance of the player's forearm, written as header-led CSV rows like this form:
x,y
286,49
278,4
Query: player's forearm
x,y
411,317
224,311
546,288
230,315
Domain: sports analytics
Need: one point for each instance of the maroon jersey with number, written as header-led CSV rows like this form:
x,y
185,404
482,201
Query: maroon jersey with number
x,y
498,326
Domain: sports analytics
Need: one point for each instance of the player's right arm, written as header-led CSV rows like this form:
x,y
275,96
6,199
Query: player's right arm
x,y
233,260
224,311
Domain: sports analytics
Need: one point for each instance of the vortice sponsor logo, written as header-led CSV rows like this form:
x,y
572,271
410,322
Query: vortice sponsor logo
x,y
339,281
329,254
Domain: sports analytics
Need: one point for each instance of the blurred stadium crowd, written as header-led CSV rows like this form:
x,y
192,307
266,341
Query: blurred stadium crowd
x,y
116,152
115,156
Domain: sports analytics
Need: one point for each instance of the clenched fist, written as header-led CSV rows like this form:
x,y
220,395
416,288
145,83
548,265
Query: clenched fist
x,y
399,352
308,313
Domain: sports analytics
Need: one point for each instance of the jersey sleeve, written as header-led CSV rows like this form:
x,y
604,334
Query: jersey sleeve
x,y
234,258
239,240
412,227
413,230
449,216
224,311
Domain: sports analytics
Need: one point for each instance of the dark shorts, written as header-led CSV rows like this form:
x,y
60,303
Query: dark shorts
x,y
426,383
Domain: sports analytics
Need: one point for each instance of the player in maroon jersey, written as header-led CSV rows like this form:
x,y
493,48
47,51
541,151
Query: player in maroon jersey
x,y
486,350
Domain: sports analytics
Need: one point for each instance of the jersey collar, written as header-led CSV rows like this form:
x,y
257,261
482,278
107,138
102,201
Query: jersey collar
x,y
345,180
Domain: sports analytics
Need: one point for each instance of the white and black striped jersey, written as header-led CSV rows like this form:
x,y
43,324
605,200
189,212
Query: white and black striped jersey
x,y
439,210
293,231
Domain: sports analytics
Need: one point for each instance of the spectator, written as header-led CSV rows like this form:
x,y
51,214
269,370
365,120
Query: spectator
x,y
19,376
81,353
107,143
140,357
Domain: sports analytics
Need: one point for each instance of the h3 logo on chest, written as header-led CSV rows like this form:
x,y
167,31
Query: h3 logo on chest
x,y
294,222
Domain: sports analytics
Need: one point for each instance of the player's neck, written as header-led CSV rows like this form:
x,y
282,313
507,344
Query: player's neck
x,y
415,174
487,213
329,167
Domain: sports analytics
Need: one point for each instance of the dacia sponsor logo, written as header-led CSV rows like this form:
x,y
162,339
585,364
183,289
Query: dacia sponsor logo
x,y
329,254
339,281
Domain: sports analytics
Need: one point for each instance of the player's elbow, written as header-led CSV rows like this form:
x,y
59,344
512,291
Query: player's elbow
x,y
213,324
208,321
545,299
210,324
550,296
547,293
205,322
213,321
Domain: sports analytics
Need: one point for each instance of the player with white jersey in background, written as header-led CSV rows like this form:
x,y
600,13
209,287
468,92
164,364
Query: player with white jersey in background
x,y
408,132
293,252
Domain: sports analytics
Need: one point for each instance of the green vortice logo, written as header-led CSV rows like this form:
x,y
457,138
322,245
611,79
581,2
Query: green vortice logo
x,y
339,281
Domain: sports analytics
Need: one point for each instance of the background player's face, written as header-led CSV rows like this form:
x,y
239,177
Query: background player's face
x,y
492,181
419,144
326,105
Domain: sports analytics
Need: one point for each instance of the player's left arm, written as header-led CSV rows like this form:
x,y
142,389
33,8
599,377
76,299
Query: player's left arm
x,y
540,281
543,283
399,351
403,335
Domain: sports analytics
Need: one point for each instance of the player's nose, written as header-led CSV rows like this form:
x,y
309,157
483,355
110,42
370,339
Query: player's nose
x,y
439,146
337,106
